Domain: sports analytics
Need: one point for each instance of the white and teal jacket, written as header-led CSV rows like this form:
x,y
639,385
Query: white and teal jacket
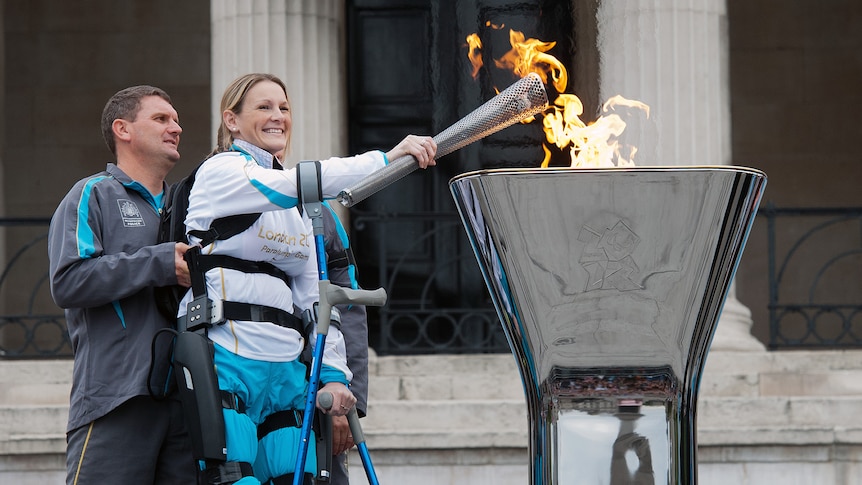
x,y
242,181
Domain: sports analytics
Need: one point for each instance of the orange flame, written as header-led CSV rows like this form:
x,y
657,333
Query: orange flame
x,y
593,144
528,55
474,44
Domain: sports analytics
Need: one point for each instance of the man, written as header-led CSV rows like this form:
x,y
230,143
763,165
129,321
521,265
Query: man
x,y
104,264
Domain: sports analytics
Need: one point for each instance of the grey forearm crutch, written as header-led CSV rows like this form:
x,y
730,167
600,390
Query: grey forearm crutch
x,y
311,197
325,399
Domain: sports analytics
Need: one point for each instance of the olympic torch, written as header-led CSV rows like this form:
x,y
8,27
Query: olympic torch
x,y
523,99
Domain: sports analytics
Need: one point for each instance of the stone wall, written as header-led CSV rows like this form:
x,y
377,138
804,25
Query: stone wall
x,y
63,60
795,73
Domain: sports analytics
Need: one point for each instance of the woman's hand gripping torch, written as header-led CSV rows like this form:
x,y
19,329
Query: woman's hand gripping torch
x,y
525,98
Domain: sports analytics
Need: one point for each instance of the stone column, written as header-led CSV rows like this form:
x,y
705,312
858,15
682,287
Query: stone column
x,y
673,56
3,260
300,41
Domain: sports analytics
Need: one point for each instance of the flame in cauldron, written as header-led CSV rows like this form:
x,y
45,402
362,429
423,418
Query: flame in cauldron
x,y
594,144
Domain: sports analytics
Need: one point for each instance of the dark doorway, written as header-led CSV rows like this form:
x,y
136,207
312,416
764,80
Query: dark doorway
x,y
409,73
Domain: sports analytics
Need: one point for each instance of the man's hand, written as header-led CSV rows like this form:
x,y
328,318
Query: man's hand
x,y
342,440
181,266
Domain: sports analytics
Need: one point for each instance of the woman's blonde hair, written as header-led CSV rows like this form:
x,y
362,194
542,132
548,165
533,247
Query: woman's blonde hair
x,y
232,99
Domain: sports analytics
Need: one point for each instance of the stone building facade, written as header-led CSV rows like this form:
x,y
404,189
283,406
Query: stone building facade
x,y
771,85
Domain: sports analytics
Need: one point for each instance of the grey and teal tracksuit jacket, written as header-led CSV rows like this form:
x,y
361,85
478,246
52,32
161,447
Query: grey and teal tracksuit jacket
x,y
104,263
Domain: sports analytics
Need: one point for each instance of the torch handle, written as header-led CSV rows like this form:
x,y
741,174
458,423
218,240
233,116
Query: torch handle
x,y
391,173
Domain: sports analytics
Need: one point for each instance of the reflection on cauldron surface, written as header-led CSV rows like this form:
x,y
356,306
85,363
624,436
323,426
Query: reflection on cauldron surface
x,y
612,419
632,460
628,438
636,383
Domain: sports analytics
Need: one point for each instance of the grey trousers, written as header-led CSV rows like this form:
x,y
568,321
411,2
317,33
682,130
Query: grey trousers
x,y
141,442
340,475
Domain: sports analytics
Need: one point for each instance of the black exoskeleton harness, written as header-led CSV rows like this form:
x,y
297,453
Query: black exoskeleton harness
x,y
203,312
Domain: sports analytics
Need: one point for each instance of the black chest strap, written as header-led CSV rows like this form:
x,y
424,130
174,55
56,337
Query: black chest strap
x,y
199,264
207,262
249,312
225,228
261,313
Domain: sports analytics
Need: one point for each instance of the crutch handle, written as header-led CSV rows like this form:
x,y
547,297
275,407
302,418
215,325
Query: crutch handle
x,y
355,428
325,400
337,295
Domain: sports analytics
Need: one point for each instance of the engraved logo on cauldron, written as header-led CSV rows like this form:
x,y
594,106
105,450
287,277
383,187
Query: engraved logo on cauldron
x,y
607,257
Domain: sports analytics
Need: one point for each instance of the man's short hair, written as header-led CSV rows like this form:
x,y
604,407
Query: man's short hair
x,y
125,105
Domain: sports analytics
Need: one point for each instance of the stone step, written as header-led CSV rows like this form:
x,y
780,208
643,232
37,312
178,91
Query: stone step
x,y
33,419
386,416
718,362
492,386
774,383
792,411
35,382
437,364
503,424
740,374
32,429
431,403
777,374
410,439
721,421
739,412
793,361
495,377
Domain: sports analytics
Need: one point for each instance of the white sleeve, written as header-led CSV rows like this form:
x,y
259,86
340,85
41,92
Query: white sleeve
x,y
334,350
231,183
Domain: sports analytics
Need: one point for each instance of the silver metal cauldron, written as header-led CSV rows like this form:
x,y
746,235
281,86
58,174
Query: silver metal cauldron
x,y
609,284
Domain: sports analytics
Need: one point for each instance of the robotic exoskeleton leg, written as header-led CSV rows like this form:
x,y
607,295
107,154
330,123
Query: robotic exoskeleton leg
x,y
203,405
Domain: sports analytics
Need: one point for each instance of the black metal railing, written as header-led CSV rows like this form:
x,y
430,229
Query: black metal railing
x,y
31,325
438,303
415,320
815,277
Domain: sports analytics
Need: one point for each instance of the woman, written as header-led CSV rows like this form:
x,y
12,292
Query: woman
x,y
258,362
